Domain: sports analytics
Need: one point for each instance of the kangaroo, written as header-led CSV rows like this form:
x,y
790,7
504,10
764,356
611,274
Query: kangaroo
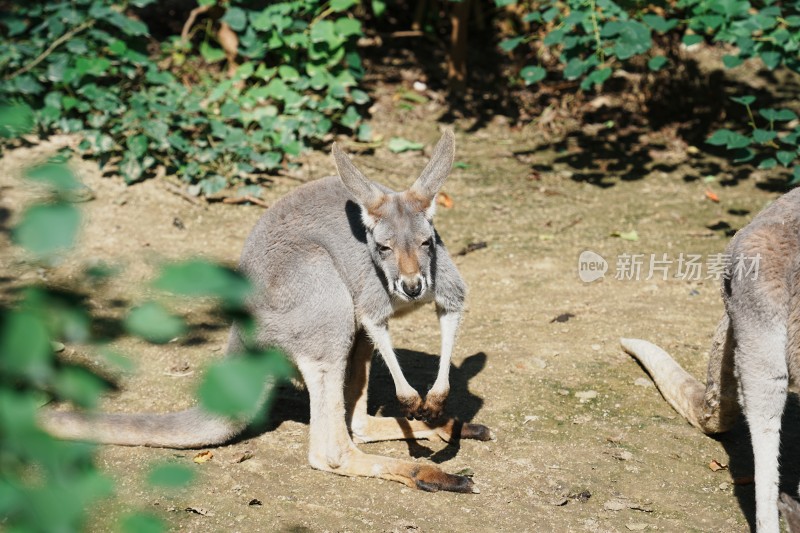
x,y
331,263
755,351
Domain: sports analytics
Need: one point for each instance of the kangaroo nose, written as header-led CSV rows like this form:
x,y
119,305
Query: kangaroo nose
x,y
412,290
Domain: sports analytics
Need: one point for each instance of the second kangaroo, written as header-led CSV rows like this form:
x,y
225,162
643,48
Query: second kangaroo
x,y
331,263
755,352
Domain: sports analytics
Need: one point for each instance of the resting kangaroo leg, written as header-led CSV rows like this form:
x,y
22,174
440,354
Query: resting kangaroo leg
x,y
331,448
712,408
763,381
366,428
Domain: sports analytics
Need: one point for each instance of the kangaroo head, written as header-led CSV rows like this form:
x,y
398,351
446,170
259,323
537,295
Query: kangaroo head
x,y
399,225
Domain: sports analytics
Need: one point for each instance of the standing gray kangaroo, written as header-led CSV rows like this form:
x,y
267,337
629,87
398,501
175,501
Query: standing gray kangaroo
x,y
331,263
755,351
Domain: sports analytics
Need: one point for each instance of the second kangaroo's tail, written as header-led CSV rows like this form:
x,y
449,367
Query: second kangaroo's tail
x,y
192,428
712,408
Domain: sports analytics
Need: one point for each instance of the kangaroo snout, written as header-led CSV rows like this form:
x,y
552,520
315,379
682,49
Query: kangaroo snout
x,y
413,288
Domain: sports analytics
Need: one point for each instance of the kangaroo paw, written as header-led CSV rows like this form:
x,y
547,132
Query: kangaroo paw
x,y
411,405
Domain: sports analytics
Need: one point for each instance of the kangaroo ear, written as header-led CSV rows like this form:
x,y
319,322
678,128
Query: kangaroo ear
x,y
438,168
364,191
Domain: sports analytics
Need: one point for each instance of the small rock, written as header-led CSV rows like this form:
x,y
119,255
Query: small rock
x,y
585,396
530,418
614,505
538,363
724,486
622,455
563,392
420,86
596,347
636,527
643,382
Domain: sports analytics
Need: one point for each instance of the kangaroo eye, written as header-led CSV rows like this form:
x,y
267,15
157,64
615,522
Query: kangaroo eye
x,y
427,243
382,248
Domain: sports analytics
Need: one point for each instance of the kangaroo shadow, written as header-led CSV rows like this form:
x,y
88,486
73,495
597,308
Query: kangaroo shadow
x,y
292,404
739,448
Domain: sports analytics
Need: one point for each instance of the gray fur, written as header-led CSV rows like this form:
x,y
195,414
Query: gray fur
x,y
334,258
756,347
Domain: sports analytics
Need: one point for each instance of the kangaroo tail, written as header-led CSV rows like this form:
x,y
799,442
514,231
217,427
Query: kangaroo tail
x,y
193,428
712,408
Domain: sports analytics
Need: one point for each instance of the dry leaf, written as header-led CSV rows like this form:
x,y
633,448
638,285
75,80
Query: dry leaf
x,y
242,457
203,457
444,200
716,466
712,196
199,510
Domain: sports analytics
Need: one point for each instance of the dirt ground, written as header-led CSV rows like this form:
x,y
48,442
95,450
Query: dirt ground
x,y
584,441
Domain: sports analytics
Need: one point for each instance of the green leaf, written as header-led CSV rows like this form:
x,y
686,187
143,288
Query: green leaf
x,y
288,73
657,62
342,5
48,229
731,61
236,18
768,164
771,58
764,136
347,27
170,475
658,23
532,74
131,168
379,7
153,323
142,523
728,138
634,39
364,133
138,145
785,157
57,176
211,54
575,68
235,387
691,39
777,114
795,176
15,119
324,31
744,100
507,45
597,77
359,97
201,278
25,345
399,144
350,118
78,385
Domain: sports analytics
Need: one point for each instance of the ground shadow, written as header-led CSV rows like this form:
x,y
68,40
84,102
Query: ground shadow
x,y
738,446
291,403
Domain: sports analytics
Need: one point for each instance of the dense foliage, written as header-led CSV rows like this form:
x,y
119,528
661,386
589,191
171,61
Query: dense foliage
x,y
92,66
46,484
593,38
